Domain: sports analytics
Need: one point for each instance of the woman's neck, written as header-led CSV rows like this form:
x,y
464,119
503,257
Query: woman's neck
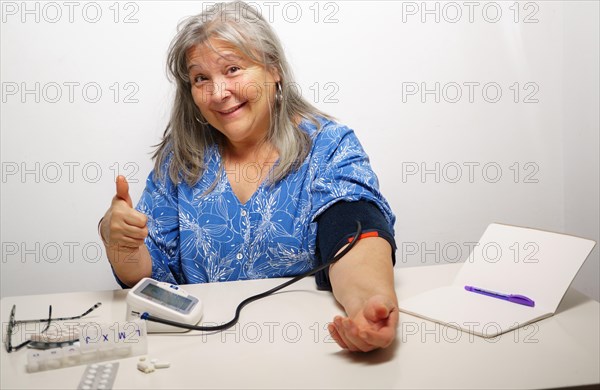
x,y
258,152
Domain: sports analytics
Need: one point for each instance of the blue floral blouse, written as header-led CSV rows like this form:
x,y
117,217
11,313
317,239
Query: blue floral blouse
x,y
198,237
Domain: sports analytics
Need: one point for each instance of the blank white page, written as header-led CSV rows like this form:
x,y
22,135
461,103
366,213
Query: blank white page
x,y
516,260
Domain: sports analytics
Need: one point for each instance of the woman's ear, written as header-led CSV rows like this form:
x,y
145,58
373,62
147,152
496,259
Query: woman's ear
x,y
275,73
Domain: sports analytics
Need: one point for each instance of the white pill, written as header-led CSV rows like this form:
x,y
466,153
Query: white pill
x,y
162,364
145,368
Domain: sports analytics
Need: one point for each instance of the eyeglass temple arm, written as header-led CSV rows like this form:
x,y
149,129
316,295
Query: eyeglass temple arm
x,y
97,305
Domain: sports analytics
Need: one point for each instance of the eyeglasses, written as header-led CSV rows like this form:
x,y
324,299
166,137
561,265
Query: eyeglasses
x,y
12,323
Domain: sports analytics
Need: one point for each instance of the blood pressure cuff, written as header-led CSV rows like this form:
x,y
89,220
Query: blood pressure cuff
x,y
337,225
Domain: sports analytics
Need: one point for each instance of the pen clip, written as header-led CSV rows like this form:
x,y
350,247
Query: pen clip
x,y
521,299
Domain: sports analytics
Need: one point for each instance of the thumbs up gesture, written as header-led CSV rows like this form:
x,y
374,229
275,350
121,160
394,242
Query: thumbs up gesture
x,y
123,190
123,226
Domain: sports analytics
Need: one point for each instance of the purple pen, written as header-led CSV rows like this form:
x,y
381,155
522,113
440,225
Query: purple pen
x,y
514,298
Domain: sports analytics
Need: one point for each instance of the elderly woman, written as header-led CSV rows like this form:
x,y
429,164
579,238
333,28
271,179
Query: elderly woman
x,y
252,181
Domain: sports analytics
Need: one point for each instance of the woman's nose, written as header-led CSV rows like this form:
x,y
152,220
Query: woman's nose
x,y
222,89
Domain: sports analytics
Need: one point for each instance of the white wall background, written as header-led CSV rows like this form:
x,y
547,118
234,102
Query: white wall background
x,y
526,157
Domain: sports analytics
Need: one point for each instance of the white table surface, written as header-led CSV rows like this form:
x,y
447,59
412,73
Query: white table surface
x,y
282,342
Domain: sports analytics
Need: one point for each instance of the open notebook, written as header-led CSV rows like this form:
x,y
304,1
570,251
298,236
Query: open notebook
x,y
511,260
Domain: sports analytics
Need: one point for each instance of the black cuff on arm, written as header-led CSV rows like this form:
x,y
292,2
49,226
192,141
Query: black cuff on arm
x,y
337,225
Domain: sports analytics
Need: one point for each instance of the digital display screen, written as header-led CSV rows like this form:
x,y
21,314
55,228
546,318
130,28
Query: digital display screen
x,y
166,297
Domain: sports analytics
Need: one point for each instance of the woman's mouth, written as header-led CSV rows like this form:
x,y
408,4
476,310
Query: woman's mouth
x,y
231,111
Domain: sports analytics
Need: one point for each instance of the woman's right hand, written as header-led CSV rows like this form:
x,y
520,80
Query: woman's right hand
x,y
123,227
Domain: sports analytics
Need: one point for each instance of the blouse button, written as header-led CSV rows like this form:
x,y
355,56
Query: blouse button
x,y
244,213
239,256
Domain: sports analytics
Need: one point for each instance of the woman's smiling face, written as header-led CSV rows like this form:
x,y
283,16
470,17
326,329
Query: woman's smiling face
x,y
234,94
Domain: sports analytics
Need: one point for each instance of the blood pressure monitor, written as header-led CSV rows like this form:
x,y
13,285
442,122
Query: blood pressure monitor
x,y
163,300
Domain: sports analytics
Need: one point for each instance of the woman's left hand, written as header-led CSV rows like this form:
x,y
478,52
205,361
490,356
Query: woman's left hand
x,y
372,326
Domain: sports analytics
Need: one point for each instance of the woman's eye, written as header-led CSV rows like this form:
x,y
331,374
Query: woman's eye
x,y
232,69
199,79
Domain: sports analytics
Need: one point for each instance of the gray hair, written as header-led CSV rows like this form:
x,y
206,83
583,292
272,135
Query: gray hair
x,y
188,135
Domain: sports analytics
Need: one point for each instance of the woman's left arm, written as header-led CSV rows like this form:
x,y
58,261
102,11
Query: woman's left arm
x,y
363,283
